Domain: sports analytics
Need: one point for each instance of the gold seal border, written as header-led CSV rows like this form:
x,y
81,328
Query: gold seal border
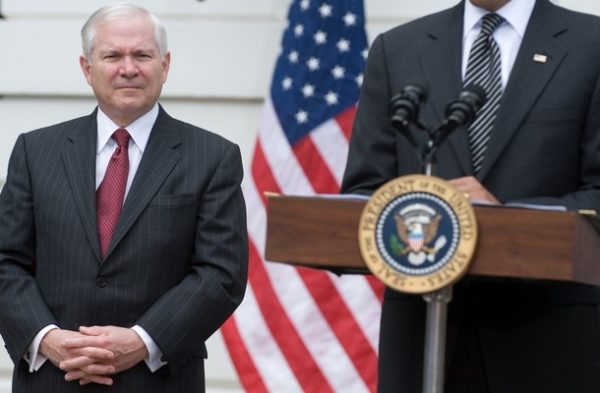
x,y
458,264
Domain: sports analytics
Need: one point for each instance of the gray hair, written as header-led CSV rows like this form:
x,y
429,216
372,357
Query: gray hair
x,y
115,11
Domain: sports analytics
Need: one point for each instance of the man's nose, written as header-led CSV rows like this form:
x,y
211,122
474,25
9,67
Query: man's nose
x,y
128,67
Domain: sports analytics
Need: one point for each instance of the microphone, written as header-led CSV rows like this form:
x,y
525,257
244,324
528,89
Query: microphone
x,y
404,109
460,112
404,106
463,110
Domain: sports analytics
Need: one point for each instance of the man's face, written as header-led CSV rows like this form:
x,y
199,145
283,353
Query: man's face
x,y
126,71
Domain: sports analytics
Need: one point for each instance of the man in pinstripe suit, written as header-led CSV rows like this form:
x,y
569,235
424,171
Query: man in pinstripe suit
x,y
130,314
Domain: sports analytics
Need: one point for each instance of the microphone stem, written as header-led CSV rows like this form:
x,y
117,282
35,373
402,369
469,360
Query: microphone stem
x,y
428,157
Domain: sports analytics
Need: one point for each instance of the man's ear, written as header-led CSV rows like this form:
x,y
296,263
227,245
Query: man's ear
x,y
86,68
166,63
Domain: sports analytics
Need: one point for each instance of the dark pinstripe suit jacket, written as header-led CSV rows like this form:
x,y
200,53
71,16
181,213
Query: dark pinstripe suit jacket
x,y
176,266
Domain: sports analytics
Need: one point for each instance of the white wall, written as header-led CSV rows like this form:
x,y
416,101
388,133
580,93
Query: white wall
x,y
223,53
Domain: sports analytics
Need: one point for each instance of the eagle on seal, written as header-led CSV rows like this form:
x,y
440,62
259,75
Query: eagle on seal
x,y
417,233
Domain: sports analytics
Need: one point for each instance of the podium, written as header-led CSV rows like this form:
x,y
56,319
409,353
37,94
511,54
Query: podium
x,y
321,232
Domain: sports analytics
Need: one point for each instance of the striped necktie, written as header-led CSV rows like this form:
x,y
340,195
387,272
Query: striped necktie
x,y
484,69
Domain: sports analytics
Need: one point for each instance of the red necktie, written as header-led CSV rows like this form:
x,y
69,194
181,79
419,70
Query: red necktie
x,y
110,194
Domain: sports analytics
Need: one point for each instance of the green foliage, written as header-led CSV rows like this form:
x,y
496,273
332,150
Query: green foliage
x,y
397,247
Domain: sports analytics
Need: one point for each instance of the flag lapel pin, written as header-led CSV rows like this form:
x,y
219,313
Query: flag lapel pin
x,y
539,58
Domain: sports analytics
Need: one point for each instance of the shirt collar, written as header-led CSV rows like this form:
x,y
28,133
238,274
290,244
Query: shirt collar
x,y
139,130
515,12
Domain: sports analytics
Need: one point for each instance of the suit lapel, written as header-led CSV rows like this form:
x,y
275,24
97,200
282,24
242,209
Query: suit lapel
x,y
441,58
158,160
79,158
527,79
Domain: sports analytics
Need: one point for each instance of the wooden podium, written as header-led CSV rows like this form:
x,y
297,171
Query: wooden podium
x,y
321,232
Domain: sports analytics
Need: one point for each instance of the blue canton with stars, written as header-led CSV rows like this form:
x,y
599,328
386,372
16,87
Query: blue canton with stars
x,y
319,71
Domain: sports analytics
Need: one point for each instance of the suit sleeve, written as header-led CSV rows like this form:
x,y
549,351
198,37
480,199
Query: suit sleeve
x,y
182,319
372,154
23,312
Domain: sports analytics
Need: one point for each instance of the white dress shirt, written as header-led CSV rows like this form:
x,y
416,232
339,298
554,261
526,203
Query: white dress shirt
x,y
139,131
508,35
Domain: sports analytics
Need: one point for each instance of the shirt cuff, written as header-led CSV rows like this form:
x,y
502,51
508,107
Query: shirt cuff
x,y
32,356
154,360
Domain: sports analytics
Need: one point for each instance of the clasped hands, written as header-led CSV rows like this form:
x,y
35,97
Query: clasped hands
x,y
93,354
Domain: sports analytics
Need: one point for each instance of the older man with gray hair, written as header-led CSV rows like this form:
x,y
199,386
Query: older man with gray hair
x,y
123,233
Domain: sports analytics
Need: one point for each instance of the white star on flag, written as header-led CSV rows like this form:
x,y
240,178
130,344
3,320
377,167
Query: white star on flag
x,y
308,90
325,10
359,79
313,64
298,30
293,57
301,116
331,98
286,83
338,72
320,37
343,45
350,19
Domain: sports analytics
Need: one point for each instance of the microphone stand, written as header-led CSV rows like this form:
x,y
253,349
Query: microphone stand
x,y
428,162
437,301
459,112
428,151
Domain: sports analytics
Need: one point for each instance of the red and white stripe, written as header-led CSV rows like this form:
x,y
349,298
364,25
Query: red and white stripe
x,y
301,330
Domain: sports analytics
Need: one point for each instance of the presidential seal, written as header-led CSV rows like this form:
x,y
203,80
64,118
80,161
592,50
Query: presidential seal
x,y
417,234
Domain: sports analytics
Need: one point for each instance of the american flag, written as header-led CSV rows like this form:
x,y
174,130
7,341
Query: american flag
x,y
300,330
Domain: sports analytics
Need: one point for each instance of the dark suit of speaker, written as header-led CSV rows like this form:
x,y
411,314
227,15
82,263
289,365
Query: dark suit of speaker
x,y
176,265
545,148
